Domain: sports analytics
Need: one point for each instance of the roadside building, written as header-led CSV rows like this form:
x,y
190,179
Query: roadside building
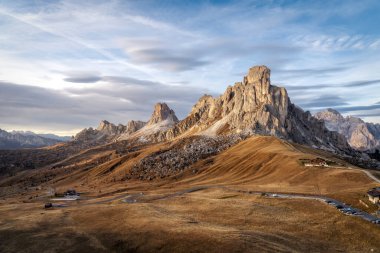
x,y
374,196
318,162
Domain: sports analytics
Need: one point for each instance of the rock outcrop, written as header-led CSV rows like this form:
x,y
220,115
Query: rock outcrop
x,y
359,134
181,156
161,113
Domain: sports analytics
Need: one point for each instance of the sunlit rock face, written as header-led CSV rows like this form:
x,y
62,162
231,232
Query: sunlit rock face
x,y
257,107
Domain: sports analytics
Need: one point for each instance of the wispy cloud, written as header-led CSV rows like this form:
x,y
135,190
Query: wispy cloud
x,y
352,84
337,43
120,100
360,108
324,101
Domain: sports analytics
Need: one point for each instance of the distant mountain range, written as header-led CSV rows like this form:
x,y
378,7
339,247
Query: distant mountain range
x,y
359,134
27,139
49,136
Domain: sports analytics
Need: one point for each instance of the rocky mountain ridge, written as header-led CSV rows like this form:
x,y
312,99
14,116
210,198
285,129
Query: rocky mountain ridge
x,y
359,134
107,131
162,119
253,106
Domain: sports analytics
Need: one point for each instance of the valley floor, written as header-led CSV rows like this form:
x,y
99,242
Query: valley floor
x,y
208,220
218,208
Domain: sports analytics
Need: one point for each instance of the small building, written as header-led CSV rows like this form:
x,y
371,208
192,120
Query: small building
x,y
374,196
318,162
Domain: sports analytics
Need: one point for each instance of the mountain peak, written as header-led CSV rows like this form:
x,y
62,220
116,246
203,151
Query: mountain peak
x,y
103,125
256,106
162,112
333,111
258,74
330,115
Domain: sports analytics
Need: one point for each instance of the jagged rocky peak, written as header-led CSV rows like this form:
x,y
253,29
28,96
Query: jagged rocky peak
x,y
260,77
256,106
108,128
161,113
104,125
247,102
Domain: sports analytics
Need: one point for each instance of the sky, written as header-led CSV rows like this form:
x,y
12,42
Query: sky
x,y
66,65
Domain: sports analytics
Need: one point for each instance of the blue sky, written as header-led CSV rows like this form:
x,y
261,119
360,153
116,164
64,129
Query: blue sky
x,y
65,65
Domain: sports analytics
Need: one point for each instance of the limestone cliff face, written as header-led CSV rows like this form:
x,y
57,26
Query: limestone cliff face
x,y
256,106
359,134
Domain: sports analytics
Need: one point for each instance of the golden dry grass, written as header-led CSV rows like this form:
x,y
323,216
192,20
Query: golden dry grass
x,y
269,164
212,220
202,221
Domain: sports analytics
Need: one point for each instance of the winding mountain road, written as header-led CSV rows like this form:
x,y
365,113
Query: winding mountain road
x,y
137,198
142,198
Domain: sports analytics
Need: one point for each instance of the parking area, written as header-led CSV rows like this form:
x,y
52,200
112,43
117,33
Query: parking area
x,y
340,206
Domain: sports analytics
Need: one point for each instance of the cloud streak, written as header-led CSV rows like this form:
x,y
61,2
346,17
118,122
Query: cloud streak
x,y
27,106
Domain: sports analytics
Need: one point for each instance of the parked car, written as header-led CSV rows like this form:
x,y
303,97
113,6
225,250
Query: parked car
x,y
346,210
71,192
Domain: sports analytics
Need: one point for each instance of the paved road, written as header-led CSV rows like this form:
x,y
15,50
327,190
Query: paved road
x,y
142,198
333,202
138,198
